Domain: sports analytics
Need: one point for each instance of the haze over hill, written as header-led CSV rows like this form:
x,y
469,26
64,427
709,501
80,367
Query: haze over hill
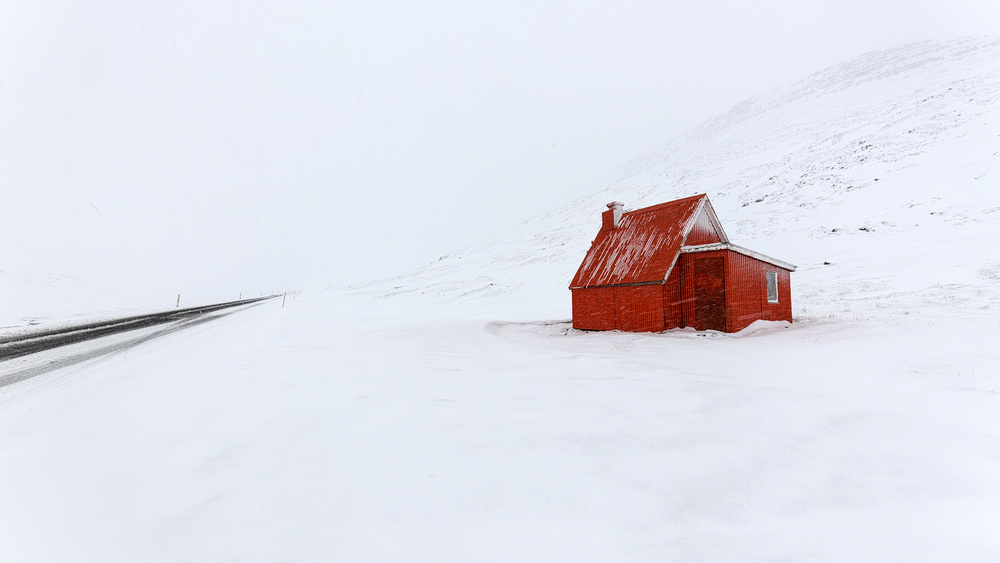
x,y
885,166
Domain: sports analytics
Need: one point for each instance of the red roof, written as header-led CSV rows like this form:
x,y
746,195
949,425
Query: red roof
x,y
645,244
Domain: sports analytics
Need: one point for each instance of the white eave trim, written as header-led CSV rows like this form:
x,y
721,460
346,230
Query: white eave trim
x,y
741,250
714,219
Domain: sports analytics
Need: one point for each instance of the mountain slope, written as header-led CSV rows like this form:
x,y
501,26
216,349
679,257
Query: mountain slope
x,y
885,166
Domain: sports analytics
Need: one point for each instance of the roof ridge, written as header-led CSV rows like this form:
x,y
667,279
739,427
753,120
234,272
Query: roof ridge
x,y
666,204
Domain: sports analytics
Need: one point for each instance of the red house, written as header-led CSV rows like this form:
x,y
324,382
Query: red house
x,y
671,265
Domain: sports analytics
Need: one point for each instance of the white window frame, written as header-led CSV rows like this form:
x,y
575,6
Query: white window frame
x,y
768,276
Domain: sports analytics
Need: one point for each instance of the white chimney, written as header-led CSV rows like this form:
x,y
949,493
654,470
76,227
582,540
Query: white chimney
x,y
616,213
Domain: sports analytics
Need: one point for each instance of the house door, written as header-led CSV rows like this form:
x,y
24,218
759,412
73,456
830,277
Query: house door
x,y
710,294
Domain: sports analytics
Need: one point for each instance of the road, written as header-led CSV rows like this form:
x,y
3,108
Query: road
x,y
25,344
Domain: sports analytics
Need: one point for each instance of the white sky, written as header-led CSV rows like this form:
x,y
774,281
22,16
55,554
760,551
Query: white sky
x,y
257,146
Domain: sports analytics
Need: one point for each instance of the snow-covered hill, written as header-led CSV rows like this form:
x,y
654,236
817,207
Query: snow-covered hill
x,y
886,167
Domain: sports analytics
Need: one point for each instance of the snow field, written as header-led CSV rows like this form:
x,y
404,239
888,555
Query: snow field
x,y
380,434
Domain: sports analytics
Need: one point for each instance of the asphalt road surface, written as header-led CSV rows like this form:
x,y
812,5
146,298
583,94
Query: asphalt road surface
x,y
38,341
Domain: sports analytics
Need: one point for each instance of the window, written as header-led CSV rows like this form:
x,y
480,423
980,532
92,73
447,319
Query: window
x,y
772,287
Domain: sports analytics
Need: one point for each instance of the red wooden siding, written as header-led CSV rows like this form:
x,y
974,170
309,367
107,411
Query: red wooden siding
x,y
748,290
747,295
672,316
709,293
639,308
688,297
636,308
782,310
702,232
594,309
745,290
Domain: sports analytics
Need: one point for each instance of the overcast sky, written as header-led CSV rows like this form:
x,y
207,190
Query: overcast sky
x,y
297,144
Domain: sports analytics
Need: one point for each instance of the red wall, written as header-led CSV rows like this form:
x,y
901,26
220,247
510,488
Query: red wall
x,y
657,307
783,309
672,299
747,300
594,309
632,308
746,290
686,266
639,308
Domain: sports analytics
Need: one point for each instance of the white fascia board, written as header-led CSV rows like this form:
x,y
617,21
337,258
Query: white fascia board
x,y
687,232
741,250
714,219
689,224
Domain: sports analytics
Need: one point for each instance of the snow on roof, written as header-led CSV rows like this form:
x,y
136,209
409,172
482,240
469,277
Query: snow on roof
x,y
643,247
745,251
